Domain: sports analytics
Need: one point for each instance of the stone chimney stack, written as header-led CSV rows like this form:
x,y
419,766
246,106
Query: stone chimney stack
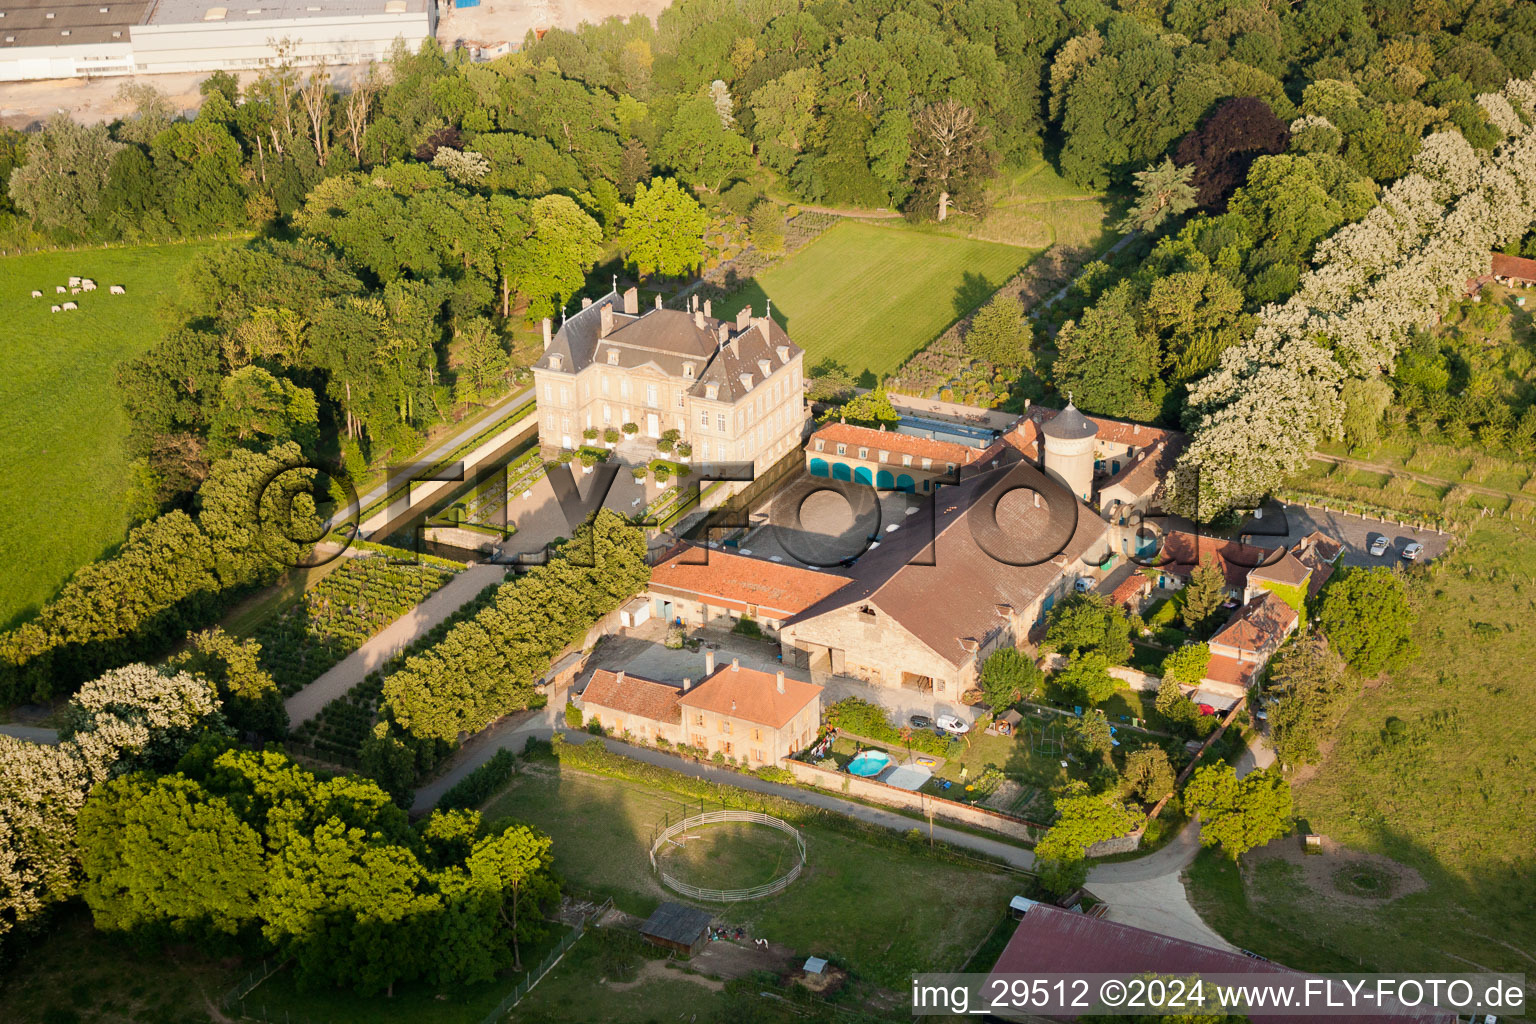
x,y
735,664
709,663
621,677
658,300
707,305
632,301
723,333
585,302
781,680
743,317
693,303
605,328
687,682
548,336
698,319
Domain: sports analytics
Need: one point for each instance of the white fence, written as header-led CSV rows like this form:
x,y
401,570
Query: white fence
x,y
730,895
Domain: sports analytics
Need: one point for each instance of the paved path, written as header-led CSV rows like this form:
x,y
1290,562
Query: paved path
x,y
32,733
1149,893
394,638
469,430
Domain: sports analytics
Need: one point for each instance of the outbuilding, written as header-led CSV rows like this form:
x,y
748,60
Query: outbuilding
x,y
677,927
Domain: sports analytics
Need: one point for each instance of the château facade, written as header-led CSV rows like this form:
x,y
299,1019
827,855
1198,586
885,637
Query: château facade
x,y
732,389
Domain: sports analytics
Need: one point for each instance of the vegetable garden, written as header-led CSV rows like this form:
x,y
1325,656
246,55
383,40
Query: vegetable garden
x,y
338,616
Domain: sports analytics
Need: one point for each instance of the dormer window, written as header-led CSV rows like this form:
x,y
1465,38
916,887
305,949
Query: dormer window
x,y
885,456
783,353
842,449
863,453
821,445
613,357
906,460
688,370
927,463
554,362
711,391
764,367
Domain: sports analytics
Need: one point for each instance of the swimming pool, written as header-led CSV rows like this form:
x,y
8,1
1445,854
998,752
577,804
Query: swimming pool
x,y
869,763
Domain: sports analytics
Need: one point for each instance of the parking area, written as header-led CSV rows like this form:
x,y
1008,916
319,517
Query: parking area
x,y
1356,533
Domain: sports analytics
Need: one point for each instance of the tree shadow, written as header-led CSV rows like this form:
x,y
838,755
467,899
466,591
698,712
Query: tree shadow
x,y
971,292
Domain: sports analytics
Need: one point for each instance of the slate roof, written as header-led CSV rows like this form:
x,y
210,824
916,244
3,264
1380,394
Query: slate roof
x,y
876,440
751,696
633,695
1259,625
1049,940
935,578
736,581
1287,570
669,339
1069,424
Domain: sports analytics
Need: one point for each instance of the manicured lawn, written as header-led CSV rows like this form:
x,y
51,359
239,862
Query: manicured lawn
x,y
887,909
63,475
867,296
1447,795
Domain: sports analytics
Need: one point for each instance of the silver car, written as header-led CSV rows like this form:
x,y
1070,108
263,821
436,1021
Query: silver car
x,y
1412,552
1379,547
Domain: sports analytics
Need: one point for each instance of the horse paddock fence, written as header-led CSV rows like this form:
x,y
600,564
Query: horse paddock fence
x,y
729,895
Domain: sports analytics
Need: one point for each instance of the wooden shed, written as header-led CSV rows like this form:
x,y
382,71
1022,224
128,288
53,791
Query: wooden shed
x,y
1007,723
676,927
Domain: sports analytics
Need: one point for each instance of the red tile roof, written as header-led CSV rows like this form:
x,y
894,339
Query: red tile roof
x,y
1222,669
1132,586
1137,435
1519,267
856,437
751,696
1319,545
1259,625
633,695
1051,941
1288,571
736,581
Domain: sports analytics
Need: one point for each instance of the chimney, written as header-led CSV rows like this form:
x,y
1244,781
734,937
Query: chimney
x,y
709,663
707,305
761,323
693,303
698,319
585,302
687,682
632,300
621,677
735,664
723,332
743,317
781,680
606,326
548,327
658,300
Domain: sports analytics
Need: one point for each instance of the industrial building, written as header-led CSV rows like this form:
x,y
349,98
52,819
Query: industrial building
x,y
71,39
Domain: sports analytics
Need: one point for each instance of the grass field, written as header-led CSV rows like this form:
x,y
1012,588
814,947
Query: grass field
x,y
867,296
1446,793
62,470
877,905
731,855
1033,206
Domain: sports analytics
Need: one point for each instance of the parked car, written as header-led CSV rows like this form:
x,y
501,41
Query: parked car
x,y
920,722
1412,552
1085,584
1379,547
951,724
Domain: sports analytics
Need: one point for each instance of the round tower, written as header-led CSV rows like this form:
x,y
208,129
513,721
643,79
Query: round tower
x,y
1069,441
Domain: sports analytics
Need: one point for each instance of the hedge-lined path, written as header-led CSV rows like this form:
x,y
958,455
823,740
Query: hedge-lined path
x,y
391,640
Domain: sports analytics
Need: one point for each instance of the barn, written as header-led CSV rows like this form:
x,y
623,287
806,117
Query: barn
x,y
677,927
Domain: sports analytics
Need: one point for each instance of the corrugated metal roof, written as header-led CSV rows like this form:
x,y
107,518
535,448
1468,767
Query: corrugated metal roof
x,y
677,923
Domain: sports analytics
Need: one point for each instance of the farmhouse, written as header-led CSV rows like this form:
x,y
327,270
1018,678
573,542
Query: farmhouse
x,y
697,586
932,599
622,703
750,716
732,390
1244,645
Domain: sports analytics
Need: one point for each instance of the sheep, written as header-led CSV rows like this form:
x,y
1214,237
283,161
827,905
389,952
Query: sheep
x,y
74,291
87,285
59,289
116,289
70,305
36,294
74,281
55,309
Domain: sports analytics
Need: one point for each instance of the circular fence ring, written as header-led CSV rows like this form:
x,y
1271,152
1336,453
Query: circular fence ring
x,y
730,895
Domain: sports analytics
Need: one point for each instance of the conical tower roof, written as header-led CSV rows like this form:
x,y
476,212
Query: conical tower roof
x,y
1069,425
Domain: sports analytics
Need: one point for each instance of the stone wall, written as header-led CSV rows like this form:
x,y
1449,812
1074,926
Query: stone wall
x,y
876,649
890,796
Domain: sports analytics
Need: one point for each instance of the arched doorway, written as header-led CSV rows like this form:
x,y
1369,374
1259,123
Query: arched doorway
x,y
862,475
906,483
840,471
885,481
818,467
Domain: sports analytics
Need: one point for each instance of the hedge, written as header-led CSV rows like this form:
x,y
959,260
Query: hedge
x,y
481,784
862,718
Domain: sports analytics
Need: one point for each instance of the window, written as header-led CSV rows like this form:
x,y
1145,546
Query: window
x,y
863,453
927,463
885,456
725,727
726,749
565,395
949,467
613,357
549,393
704,420
842,449
719,420
698,720
650,395
554,362
604,383
757,755
906,460
706,451
712,391
688,370
623,387
680,398
757,734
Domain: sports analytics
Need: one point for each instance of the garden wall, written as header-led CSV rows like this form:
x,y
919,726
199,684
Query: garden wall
x,y
947,810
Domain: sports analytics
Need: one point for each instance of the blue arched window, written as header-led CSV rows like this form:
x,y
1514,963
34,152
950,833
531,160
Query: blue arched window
x,y
840,471
818,467
885,481
906,483
862,475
